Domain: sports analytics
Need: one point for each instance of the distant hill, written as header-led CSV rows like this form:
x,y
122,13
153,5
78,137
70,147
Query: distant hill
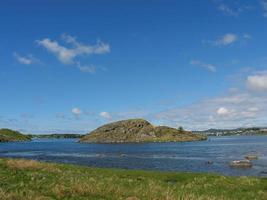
x,y
238,131
138,130
7,135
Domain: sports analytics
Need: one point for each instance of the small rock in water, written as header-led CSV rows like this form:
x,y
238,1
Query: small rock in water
x,y
241,164
251,157
210,162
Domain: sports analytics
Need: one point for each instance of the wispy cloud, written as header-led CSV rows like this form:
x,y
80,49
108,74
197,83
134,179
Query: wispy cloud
x,y
224,40
25,60
234,9
105,115
86,68
76,111
209,67
69,53
227,10
228,39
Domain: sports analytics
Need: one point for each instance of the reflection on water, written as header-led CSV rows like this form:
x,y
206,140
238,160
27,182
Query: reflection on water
x,y
189,156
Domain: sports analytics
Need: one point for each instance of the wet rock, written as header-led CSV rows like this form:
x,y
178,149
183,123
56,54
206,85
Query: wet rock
x,y
210,162
251,157
241,164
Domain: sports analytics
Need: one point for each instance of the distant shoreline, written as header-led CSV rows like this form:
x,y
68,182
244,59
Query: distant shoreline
x,y
56,136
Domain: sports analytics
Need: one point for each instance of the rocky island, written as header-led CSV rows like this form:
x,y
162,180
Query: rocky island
x,y
7,135
138,130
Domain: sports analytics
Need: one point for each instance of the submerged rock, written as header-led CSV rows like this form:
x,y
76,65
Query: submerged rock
x,y
263,173
210,162
138,130
241,164
251,157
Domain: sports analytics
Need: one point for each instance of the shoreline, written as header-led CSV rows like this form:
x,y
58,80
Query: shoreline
x,y
29,179
263,176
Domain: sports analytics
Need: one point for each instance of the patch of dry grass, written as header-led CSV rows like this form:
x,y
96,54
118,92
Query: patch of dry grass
x,y
23,164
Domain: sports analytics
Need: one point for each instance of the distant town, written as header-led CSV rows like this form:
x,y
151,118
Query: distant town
x,y
238,131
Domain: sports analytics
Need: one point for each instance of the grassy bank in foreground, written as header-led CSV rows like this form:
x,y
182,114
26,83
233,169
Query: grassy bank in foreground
x,y
24,179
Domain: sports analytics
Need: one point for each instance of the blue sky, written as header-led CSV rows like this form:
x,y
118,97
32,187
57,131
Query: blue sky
x,y
70,66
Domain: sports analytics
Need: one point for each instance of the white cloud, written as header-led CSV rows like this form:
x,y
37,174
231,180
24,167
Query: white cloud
x,y
207,66
77,111
257,82
64,54
264,7
73,49
222,111
105,115
25,60
228,39
232,8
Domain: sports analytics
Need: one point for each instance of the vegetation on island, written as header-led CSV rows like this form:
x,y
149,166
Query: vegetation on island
x,y
31,180
138,130
8,135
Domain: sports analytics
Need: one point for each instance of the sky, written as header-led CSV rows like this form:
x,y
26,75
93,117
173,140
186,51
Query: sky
x,y
70,66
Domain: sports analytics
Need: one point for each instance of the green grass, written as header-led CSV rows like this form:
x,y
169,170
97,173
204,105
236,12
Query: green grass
x,y
28,180
7,135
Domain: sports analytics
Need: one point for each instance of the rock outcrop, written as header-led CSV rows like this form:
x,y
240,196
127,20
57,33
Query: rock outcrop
x,y
251,157
138,130
241,164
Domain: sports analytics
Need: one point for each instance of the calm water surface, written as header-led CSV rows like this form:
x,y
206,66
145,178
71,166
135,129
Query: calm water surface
x,y
189,156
